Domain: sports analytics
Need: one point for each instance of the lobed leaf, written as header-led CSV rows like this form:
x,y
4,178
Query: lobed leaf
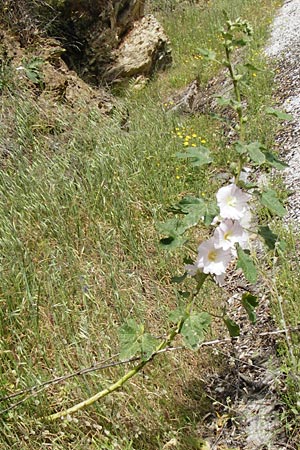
x,y
255,153
268,236
200,155
273,161
250,302
247,265
148,345
179,279
201,209
171,242
177,314
210,55
129,335
250,66
232,326
274,205
279,114
194,329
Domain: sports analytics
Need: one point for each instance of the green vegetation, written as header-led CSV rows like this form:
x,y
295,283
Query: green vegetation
x,y
80,200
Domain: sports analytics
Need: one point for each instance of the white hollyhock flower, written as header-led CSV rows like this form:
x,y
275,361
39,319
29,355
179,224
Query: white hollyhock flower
x,y
232,202
211,259
220,279
228,233
245,220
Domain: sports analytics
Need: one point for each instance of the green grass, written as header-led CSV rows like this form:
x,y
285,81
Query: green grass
x,y
79,201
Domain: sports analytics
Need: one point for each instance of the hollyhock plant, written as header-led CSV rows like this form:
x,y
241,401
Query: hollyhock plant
x,y
230,232
232,201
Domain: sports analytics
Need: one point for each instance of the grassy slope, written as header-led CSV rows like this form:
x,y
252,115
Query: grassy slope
x,y
79,248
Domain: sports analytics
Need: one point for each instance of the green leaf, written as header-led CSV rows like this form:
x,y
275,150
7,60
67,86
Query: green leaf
x,y
210,55
240,147
247,265
194,329
175,227
250,302
212,210
223,101
184,294
269,237
179,279
253,150
148,346
177,314
273,161
240,42
255,153
134,341
201,209
200,155
238,77
252,67
279,114
282,245
188,260
233,328
270,201
129,335
172,227
171,242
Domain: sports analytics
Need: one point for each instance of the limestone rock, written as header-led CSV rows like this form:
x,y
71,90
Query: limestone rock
x,y
144,50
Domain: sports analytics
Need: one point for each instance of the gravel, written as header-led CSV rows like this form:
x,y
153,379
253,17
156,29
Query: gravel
x,y
284,48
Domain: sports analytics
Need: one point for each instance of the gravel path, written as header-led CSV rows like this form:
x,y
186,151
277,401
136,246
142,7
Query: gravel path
x,y
284,48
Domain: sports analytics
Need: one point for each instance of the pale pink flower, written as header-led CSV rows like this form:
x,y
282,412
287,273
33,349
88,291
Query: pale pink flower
x,y
245,220
211,259
220,279
232,202
228,233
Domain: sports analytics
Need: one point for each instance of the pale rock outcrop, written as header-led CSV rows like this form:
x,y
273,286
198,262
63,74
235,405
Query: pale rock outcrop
x,y
144,50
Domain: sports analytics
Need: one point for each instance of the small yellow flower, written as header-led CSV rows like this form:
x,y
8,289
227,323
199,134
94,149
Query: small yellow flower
x,y
188,137
194,135
254,74
203,141
177,177
194,145
185,143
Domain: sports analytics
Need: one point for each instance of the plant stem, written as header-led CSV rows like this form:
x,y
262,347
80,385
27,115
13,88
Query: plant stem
x,y
239,108
118,384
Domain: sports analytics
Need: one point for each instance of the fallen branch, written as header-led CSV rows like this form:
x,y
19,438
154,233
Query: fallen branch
x,y
34,390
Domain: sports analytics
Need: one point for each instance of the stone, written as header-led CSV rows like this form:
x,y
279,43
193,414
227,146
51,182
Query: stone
x,y
143,51
88,30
